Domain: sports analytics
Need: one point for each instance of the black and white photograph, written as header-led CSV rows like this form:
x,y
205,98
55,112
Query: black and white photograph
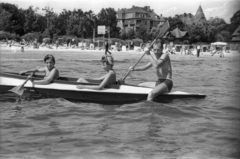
x,y
128,79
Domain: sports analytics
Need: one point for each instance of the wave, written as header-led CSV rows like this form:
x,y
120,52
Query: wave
x,y
22,60
95,60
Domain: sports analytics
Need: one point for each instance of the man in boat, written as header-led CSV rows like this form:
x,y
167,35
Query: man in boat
x,y
161,63
50,71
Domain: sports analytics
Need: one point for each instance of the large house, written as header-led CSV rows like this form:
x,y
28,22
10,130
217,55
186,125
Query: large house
x,y
138,18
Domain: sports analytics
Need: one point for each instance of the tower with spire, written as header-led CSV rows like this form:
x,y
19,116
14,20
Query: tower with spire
x,y
199,16
188,18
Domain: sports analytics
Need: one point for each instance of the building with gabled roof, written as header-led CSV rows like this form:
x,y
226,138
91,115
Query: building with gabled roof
x,y
177,36
236,35
138,17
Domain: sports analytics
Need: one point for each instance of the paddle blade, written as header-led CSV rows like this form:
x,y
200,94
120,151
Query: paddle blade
x,y
18,90
163,29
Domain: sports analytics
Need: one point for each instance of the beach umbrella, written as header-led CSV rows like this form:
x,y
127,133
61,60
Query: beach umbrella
x,y
219,43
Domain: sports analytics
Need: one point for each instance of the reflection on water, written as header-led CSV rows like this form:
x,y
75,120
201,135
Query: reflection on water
x,y
171,128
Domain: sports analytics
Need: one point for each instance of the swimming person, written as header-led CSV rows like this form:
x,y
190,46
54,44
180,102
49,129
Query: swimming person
x,y
50,71
106,80
162,65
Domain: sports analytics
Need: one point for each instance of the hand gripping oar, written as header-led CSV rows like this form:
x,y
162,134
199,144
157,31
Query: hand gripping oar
x,y
135,64
20,89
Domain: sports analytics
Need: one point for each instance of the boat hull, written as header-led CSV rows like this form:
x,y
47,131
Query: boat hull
x,y
66,88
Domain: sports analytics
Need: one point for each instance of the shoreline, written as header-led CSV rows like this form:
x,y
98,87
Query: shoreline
x,y
17,49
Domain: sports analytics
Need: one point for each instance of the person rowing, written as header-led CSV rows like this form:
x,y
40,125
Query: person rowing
x,y
162,65
50,71
106,80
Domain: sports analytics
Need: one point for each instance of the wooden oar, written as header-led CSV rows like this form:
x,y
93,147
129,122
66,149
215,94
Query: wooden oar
x,y
20,89
165,27
135,64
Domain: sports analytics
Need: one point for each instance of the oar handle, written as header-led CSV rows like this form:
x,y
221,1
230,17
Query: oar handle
x,y
30,76
133,66
139,59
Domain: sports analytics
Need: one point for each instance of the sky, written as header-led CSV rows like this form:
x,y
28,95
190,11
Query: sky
x,y
97,5
165,7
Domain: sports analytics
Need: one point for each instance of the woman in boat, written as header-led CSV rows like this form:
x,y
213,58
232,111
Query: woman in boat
x,y
106,80
50,71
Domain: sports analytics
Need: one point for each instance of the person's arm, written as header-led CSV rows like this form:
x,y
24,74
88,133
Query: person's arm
x,y
156,63
48,79
142,68
161,61
98,78
32,71
97,87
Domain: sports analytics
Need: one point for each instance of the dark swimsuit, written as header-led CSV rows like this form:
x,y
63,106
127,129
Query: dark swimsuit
x,y
167,82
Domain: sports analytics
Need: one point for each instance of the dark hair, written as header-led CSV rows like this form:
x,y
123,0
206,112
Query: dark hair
x,y
108,59
49,57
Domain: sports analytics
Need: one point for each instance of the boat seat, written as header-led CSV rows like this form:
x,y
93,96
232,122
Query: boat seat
x,y
115,86
63,79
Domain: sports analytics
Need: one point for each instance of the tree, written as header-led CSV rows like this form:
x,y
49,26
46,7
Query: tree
x,y
62,22
40,23
51,18
236,18
141,33
5,23
107,17
11,18
30,19
176,22
90,23
208,31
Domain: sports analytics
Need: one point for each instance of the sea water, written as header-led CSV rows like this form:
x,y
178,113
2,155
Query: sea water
x,y
180,128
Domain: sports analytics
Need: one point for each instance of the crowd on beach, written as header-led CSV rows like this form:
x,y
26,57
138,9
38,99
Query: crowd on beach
x,y
183,49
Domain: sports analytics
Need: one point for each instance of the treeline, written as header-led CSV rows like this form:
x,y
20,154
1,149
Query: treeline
x,y
76,23
16,23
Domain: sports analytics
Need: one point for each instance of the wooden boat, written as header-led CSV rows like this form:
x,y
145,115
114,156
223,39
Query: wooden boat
x,y
65,87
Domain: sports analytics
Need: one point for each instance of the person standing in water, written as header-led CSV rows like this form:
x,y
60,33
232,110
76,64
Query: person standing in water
x,y
198,50
107,47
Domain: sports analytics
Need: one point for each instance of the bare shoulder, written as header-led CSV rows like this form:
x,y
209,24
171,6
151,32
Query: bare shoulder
x,y
55,69
56,72
164,57
111,73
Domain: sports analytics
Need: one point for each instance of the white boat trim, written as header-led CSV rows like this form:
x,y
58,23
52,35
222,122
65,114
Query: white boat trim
x,y
123,89
8,81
